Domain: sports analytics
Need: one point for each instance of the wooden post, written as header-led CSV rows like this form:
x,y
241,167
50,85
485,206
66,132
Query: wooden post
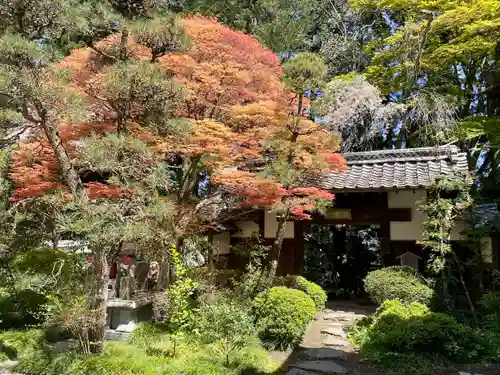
x,y
299,252
385,231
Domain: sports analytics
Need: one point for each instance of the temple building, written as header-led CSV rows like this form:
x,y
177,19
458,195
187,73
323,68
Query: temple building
x,y
380,190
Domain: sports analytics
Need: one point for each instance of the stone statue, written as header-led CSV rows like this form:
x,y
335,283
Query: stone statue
x,y
127,278
153,275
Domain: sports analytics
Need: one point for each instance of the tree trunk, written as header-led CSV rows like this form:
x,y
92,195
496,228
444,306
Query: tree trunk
x,y
98,302
69,173
276,249
210,255
123,44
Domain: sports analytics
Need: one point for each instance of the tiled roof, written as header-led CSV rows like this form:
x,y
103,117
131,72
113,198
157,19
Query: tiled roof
x,y
396,169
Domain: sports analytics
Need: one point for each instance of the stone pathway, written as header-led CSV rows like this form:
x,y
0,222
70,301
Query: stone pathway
x,y
325,348
4,368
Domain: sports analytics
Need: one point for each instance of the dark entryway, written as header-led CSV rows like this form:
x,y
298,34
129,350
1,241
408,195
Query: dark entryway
x,y
338,257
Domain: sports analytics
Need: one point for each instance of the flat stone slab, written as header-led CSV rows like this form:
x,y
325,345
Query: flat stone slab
x,y
298,371
334,331
324,353
334,341
322,366
342,317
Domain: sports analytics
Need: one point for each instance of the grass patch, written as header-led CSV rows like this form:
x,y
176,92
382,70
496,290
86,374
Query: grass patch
x,y
15,344
148,355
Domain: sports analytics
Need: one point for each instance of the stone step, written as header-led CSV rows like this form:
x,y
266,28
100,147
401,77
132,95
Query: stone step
x,y
324,353
334,341
342,317
298,371
324,366
334,330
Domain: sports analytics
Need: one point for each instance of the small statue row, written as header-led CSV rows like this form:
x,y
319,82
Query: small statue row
x,y
125,282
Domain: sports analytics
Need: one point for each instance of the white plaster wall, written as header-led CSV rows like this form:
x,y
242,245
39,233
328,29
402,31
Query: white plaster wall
x,y
407,230
457,232
271,226
412,230
221,243
247,229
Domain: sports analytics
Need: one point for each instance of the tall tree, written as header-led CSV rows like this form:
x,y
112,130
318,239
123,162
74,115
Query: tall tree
x,y
283,26
200,111
444,47
297,150
40,100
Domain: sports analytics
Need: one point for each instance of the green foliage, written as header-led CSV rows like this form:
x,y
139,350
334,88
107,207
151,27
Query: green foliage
x,y
313,290
176,312
399,332
283,315
140,91
53,22
161,35
489,307
400,283
194,358
145,333
306,71
255,278
226,324
446,201
15,344
21,308
51,271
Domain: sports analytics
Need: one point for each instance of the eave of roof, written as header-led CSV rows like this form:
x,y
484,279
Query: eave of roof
x,y
413,168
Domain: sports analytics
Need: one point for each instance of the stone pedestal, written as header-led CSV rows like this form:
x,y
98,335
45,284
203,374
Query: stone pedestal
x,y
123,315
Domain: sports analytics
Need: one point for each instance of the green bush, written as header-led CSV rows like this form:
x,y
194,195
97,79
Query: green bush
x,y
401,283
22,305
400,331
282,316
15,344
145,333
226,323
489,307
255,280
313,290
21,308
173,309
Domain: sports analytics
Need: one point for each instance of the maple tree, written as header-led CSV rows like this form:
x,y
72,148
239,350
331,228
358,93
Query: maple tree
x,y
225,80
196,110
296,149
221,104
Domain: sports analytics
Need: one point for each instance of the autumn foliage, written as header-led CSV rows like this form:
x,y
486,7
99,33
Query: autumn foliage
x,y
233,105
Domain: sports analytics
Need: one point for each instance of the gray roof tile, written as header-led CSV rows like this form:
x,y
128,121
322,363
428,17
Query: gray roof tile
x,y
396,169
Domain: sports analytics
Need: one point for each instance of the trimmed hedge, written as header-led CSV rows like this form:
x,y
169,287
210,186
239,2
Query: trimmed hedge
x,y
313,290
283,315
400,283
398,330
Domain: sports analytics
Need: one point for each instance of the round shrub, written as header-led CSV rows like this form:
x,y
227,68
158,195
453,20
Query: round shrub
x,y
399,329
313,290
282,316
401,283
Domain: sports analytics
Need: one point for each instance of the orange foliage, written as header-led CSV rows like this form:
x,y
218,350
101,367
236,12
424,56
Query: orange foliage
x,y
234,100
255,191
